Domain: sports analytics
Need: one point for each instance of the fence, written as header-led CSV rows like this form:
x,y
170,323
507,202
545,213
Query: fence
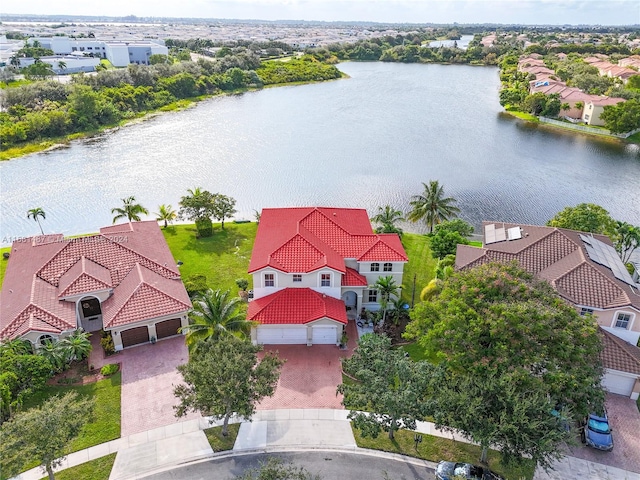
x,y
587,129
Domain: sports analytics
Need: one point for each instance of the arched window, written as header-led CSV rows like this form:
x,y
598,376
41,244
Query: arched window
x,y
387,267
375,267
45,339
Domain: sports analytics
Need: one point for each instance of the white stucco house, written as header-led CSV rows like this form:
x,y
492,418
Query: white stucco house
x,y
123,280
312,268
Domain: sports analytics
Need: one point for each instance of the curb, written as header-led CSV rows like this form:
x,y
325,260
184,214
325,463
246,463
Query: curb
x,y
287,449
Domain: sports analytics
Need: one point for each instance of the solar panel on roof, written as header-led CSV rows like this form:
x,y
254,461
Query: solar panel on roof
x,y
605,255
501,235
514,233
489,234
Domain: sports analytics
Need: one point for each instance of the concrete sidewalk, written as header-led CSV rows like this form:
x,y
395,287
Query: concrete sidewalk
x,y
164,448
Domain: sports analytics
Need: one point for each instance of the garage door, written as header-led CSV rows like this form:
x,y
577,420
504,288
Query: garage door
x,y
616,383
282,336
325,335
134,336
168,328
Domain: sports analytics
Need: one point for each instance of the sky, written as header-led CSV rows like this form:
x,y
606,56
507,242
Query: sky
x,y
553,12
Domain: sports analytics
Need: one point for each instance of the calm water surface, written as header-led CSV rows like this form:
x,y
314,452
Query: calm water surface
x,y
365,141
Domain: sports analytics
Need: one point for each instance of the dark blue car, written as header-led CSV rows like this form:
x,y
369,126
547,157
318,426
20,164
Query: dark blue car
x,y
597,432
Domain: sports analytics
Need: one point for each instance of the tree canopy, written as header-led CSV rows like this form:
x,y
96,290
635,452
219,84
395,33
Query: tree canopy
x,y
225,377
390,385
447,235
623,117
506,339
42,434
387,218
584,217
129,210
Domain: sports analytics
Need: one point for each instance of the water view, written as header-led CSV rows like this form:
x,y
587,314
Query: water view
x,y
365,141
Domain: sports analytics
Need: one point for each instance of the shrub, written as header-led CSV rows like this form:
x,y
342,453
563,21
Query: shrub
x,y
109,369
204,227
107,343
196,284
242,283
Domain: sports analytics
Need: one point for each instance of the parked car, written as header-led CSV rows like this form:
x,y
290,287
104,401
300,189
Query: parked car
x,y
596,432
453,470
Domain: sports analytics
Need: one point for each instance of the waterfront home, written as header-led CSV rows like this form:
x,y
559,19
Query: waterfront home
x,y
123,280
312,270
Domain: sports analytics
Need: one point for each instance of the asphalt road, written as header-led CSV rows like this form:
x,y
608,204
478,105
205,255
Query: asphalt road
x,y
328,465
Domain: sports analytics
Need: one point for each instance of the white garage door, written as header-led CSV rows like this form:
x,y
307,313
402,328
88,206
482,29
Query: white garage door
x,y
616,383
324,335
282,336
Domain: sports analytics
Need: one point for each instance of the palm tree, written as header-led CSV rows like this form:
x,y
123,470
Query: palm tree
x,y
130,210
216,313
432,206
36,213
387,287
166,213
55,353
77,345
62,66
18,346
387,217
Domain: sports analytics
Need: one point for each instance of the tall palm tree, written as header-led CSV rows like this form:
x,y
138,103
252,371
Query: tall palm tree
x,y
432,206
444,269
130,210
387,287
166,213
388,217
36,213
216,313
62,65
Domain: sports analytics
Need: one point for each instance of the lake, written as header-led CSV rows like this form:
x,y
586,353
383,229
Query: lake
x,y
365,141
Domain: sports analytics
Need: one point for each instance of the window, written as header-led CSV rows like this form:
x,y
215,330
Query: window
x,y
297,278
373,295
387,267
375,267
325,280
269,280
585,311
45,340
622,320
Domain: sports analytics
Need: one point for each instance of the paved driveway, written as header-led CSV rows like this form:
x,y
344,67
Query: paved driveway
x,y
625,423
309,376
148,376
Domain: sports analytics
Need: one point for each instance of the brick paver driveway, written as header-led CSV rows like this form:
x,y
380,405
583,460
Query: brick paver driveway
x,y
148,376
310,375
625,423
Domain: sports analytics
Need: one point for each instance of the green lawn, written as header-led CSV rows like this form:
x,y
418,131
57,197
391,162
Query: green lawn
x,y
218,442
222,258
417,353
3,263
421,264
105,424
475,243
98,469
435,449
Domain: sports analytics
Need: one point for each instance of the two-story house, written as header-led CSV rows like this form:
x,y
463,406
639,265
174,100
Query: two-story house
x,y
123,280
587,272
313,268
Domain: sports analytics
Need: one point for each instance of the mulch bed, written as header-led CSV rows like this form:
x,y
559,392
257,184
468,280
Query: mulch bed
x,y
394,332
77,374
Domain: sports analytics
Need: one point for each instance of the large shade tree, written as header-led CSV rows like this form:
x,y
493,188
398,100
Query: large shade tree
x,y
224,378
223,207
131,210
511,350
432,206
391,386
216,314
42,434
198,206
585,217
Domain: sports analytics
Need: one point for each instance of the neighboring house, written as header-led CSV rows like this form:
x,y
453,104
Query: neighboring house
x,y
72,63
594,108
312,269
583,268
123,280
621,362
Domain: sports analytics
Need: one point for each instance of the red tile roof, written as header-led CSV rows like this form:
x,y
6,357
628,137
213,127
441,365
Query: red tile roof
x,y
296,306
300,240
619,355
558,256
41,270
354,279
